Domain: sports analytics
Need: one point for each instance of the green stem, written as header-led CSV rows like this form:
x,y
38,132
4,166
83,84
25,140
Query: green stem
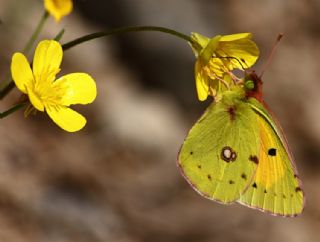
x,y
36,33
6,89
59,35
11,110
125,30
8,86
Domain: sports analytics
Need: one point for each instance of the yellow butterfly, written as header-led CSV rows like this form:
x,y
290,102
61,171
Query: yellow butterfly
x,y
237,152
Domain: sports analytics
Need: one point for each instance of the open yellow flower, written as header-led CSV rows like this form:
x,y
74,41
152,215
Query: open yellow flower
x,y
45,92
217,56
58,8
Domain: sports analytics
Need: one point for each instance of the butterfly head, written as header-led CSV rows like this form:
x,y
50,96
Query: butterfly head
x,y
253,85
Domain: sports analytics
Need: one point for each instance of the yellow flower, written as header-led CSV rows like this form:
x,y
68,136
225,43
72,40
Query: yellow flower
x,y
218,56
58,8
46,93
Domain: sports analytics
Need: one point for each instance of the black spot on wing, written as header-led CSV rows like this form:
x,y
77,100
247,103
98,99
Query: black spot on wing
x,y
199,166
231,182
254,185
272,152
209,177
298,189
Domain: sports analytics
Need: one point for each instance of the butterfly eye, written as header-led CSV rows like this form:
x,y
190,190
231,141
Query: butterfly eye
x,y
249,84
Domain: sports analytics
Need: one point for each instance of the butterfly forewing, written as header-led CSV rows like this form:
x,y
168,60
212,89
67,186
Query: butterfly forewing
x,y
218,157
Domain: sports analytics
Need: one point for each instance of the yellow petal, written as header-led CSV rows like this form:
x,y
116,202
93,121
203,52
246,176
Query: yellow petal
x,y
245,51
79,88
58,8
66,118
216,67
47,60
21,72
35,100
242,48
233,37
210,49
201,82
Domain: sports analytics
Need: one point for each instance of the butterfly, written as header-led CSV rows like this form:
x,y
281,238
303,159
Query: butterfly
x,y
237,152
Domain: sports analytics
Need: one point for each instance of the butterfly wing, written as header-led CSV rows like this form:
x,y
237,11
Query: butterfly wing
x,y
218,157
276,187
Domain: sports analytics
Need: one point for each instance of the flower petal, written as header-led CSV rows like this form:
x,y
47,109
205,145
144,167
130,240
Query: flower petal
x,y
66,118
242,48
21,72
58,8
79,88
47,60
210,49
233,37
201,82
216,67
35,100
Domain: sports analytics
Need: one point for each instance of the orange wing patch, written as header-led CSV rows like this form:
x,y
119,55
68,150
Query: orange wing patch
x,y
276,187
270,169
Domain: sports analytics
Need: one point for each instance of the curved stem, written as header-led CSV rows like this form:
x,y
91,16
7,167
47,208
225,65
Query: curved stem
x,y
97,35
35,34
10,85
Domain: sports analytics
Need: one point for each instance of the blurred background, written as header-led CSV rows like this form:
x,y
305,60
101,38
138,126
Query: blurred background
x,y
117,180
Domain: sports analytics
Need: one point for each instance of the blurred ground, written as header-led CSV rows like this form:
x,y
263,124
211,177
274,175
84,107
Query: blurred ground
x,y
117,179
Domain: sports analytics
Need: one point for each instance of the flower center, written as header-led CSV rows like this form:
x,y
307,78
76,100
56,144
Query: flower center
x,y
47,90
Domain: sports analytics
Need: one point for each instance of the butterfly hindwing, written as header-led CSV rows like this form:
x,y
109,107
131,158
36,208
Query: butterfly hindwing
x,y
218,157
276,187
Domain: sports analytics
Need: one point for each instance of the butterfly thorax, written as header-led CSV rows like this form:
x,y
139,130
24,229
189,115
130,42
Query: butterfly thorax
x,y
253,86
233,102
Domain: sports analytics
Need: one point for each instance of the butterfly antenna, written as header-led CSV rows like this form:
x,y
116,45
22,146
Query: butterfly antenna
x,y
234,58
275,46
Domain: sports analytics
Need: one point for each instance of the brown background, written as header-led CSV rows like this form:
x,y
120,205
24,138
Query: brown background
x,y
117,179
